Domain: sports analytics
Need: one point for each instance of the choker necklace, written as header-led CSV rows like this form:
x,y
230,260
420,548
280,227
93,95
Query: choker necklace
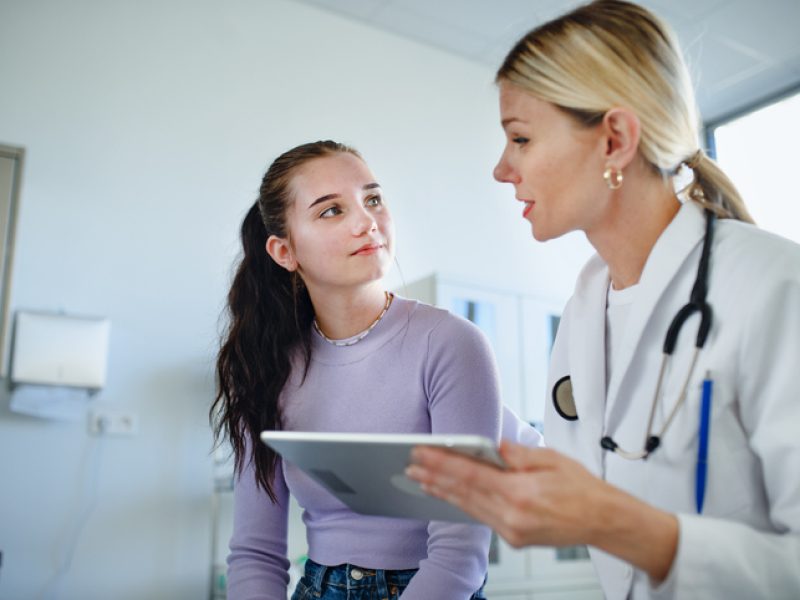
x,y
358,337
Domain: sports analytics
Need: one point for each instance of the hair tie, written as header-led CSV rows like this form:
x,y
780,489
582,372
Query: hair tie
x,y
694,159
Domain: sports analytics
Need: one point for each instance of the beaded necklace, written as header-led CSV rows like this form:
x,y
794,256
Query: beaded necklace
x,y
357,338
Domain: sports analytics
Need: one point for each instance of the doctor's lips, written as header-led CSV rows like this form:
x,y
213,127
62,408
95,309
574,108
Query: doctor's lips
x,y
528,207
370,248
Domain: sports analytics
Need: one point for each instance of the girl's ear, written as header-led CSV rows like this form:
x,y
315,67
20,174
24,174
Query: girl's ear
x,y
622,131
281,252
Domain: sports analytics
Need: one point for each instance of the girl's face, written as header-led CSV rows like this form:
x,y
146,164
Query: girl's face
x,y
340,231
554,163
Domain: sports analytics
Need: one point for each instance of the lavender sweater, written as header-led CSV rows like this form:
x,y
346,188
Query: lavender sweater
x,y
420,370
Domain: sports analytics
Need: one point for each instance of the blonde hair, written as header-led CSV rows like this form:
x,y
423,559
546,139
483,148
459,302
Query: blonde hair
x,y
613,53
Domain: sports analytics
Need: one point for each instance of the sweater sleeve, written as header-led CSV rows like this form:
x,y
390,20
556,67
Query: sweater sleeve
x,y
257,565
463,392
518,431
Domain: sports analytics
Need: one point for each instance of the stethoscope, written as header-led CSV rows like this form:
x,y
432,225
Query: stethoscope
x,y
564,400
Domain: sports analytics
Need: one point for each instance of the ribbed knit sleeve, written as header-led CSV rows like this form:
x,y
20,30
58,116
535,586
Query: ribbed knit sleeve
x,y
257,563
462,386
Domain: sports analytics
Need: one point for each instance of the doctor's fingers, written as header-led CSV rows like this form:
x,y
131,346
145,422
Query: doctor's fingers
x,y
484,505
479,490
448,470
524,458
518,505
536,511
558,473
512,509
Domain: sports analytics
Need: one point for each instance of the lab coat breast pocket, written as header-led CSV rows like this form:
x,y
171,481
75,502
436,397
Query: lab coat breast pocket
x,y
732,468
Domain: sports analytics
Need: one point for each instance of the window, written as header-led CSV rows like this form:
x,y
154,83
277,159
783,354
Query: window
x,y
758,151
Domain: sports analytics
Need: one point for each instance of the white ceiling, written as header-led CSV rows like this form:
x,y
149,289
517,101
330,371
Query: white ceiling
x,y
741,52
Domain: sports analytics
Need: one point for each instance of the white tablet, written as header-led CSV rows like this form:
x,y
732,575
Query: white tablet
x,y
366,471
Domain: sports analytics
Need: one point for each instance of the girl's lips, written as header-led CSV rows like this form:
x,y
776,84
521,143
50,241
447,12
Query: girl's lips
x,y
368,249
527,209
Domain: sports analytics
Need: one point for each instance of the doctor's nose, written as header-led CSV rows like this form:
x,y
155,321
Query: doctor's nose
x,y
503,171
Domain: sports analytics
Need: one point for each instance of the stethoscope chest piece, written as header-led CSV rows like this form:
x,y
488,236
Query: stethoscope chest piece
x,y
564,400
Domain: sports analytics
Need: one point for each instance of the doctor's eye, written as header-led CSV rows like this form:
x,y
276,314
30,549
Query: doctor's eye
x,y
330,212
520,141
373,201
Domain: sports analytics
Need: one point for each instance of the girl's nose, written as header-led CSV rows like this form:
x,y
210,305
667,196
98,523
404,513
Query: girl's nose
x,y
364,223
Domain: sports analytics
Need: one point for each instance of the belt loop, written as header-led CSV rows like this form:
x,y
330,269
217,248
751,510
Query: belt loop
x,y
319,579
381,583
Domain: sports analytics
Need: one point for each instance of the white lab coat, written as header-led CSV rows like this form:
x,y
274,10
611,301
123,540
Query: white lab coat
x,y
747,542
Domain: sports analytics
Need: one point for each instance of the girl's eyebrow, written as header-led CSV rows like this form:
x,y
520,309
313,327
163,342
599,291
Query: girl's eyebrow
x,y
369,186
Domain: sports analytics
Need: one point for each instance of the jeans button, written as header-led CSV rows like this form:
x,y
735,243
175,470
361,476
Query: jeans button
x,y
357,574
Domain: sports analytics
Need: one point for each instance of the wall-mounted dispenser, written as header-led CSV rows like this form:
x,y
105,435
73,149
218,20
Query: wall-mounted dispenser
x,y
57,362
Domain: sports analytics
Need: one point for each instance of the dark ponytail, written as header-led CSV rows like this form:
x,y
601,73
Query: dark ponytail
x,y
270,315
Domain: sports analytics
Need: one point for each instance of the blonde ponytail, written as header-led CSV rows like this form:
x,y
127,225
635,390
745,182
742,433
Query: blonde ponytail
x,y
712,189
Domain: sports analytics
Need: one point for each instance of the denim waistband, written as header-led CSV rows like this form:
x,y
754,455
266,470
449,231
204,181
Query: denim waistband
x,y
351,577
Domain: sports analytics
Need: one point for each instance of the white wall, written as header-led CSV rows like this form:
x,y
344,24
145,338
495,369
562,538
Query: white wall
x,y
147,127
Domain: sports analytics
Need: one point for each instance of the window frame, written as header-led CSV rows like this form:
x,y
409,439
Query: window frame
x,y
7,243
710,127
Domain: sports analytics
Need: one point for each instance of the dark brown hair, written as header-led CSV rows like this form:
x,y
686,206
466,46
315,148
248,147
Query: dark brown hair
x,y
269,319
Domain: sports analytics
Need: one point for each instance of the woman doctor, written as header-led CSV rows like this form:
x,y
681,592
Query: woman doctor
x,y
673,419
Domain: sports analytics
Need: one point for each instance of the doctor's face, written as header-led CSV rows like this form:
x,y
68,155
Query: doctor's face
x,y
341,231
554,163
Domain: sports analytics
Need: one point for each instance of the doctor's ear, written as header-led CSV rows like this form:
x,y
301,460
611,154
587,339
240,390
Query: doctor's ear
x,y
622,131
281,252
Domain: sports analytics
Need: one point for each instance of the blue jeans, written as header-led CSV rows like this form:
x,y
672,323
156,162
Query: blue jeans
x,y
349,582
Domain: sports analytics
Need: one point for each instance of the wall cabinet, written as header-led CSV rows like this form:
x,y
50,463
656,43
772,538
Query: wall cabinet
x,y
521,329
222,528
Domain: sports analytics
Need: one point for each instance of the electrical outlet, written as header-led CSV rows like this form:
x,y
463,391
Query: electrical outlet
x,y
108,422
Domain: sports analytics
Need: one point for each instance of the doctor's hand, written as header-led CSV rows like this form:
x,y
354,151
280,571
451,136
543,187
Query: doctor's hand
x,y
540,500
546,498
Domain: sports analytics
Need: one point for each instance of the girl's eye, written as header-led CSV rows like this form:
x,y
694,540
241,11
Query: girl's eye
x,y
330,212
520,141
374,201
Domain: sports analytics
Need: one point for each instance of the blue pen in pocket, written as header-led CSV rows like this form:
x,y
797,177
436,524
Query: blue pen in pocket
x,y
702,445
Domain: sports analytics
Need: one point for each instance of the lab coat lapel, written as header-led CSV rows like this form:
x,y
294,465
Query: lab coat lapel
x,y
670,252
587,361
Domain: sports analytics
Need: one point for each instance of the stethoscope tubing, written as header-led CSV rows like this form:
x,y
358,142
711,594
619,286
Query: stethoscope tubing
x,y
697,303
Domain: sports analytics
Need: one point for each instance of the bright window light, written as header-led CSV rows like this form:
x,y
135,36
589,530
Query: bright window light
x,y
758,151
